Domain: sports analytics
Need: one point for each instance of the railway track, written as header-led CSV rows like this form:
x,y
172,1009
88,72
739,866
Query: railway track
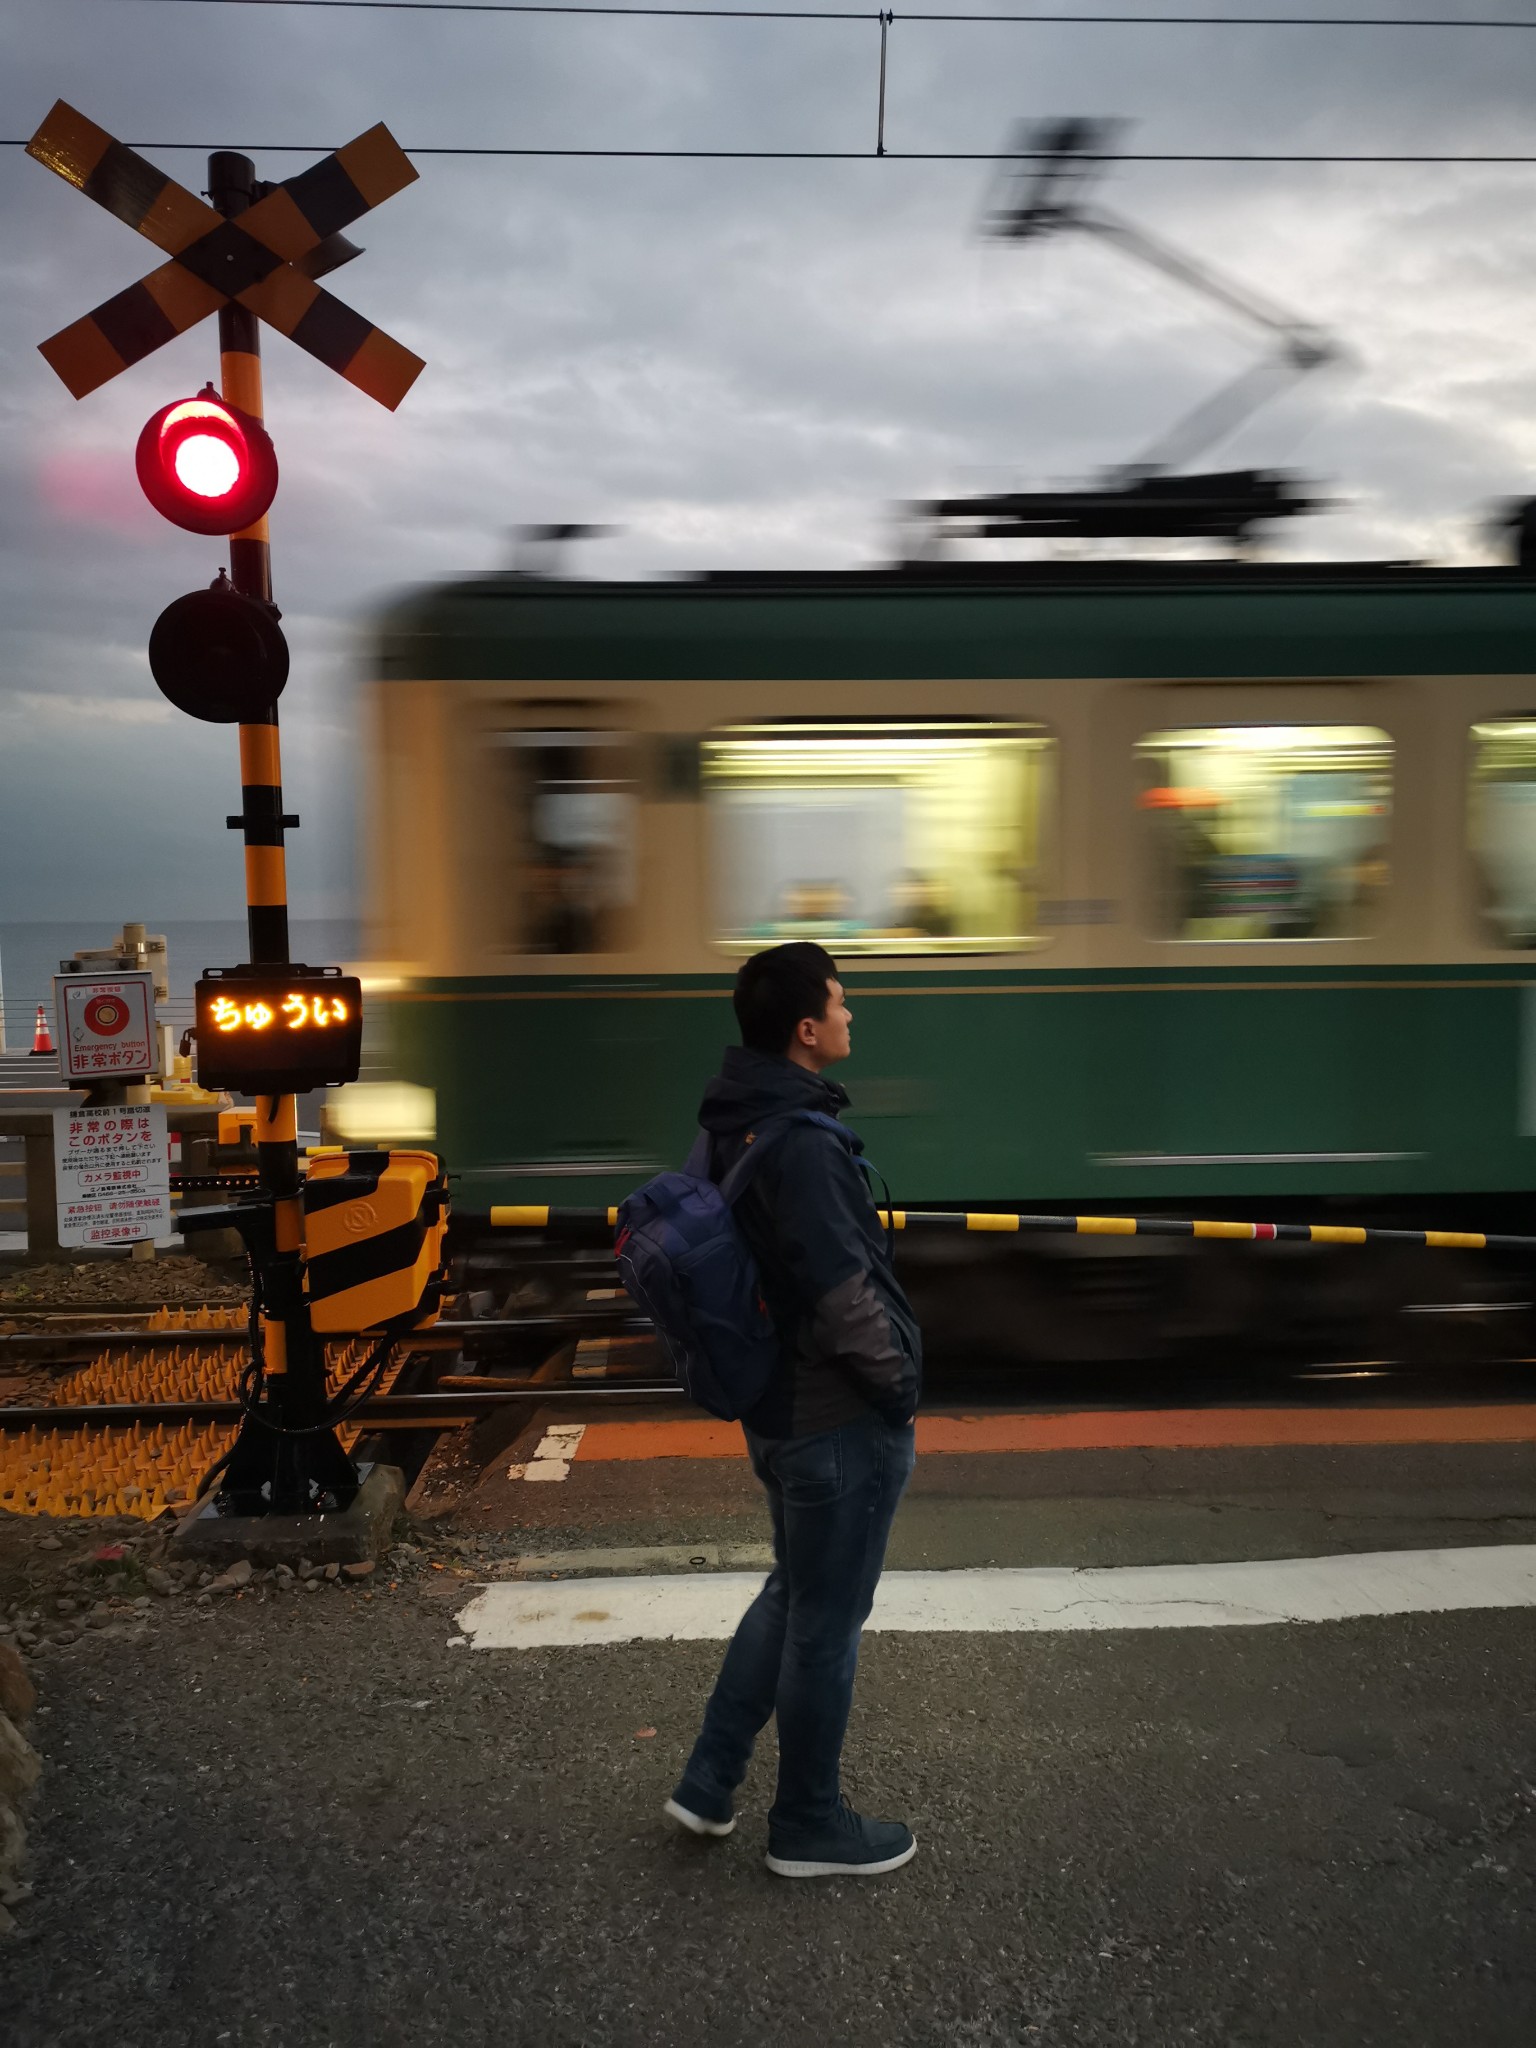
x,y
121,1409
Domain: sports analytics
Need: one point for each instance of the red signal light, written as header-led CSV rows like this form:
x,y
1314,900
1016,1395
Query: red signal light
x,y
207,466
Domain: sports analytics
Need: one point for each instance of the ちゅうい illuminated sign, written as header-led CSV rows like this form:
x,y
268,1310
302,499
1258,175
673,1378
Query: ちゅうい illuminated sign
x,y
278,1030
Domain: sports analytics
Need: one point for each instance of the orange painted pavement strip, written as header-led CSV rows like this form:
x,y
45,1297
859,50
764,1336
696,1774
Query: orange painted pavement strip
x,y
1140,1429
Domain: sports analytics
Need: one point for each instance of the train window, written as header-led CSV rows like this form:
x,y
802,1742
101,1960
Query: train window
x,y
878,836
1267,831
572,814
1502,824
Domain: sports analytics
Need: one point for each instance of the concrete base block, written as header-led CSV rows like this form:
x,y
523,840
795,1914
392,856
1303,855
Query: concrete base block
x,y
361,1532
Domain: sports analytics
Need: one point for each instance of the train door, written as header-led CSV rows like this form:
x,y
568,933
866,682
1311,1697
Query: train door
x,y
566,1013
1249,830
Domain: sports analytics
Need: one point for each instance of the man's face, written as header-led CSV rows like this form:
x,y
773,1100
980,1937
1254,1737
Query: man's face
x,y
822,1041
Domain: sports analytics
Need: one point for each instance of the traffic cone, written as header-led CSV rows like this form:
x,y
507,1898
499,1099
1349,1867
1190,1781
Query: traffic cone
x,y
43,1047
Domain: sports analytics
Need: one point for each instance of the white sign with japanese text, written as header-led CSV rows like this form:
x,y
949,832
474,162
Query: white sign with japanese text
x,y
106,1026
113,1175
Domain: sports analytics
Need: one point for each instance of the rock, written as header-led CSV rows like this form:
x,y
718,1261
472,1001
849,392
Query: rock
x,y
158,1581
333,1571
306,1569
359,1571
65,1606
20,1765
231,1581
50,1543
205,1598
282,1573
205,1579
315,1584
18,1695
65,1637
143,1604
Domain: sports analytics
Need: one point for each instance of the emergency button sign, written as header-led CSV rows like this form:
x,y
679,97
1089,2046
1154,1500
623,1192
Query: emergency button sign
x,y
113,1175
106,1028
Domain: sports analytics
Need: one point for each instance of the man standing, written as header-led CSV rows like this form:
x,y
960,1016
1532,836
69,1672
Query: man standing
x,y
831,1440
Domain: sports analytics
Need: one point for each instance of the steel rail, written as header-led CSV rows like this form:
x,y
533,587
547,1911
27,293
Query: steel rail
x,y
433,1337
431,1411
537,1216
11,1311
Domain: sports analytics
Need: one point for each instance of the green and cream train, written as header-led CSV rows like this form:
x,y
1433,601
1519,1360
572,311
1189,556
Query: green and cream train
x,y
1179,888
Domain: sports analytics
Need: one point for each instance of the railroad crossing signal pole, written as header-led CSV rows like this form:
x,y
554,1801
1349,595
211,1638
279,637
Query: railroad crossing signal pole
x,y
291,1450
255,254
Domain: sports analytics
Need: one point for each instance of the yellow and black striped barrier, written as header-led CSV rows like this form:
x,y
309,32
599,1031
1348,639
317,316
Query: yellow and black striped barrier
x,y
541,1216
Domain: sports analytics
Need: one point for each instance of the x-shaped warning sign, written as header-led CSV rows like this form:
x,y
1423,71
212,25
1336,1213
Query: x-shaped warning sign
x,y
251,259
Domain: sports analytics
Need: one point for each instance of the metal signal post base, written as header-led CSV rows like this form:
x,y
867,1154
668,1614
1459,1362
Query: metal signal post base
x,y
287,1459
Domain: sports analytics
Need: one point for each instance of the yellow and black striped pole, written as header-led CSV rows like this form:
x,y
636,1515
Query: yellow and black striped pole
x,y
287,1450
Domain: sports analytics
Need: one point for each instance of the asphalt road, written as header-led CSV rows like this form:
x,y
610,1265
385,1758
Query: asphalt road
x,y
304,1820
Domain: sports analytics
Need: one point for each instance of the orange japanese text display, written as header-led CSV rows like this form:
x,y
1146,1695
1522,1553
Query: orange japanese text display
x,y
278,1030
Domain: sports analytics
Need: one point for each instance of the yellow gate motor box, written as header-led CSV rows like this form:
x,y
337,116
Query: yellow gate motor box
x,y
374,1224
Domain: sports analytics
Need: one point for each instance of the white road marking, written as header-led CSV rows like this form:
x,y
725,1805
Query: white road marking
x,y
552,1458
706,1608
648,1558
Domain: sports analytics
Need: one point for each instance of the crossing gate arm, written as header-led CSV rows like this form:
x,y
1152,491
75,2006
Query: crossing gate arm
x,y
541,1216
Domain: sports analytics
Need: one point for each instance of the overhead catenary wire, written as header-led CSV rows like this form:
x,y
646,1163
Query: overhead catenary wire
x,y
883,18
839,156
1032,20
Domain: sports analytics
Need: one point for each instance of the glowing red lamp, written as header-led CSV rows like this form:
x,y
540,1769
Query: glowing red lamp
x,y
206,465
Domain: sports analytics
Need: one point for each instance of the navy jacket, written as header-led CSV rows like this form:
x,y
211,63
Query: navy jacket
x,y
848,1340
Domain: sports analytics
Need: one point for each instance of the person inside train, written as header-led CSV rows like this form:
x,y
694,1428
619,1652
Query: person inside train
x,y
919,909
831,1440
564,905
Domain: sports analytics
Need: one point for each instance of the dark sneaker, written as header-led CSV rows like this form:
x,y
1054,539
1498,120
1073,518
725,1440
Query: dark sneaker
x,y
849,1846
700,1812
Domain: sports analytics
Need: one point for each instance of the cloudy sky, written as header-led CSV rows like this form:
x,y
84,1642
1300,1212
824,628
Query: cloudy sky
x,y
736,364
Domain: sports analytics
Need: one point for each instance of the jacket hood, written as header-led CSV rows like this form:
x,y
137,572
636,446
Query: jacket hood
x,y
753,1085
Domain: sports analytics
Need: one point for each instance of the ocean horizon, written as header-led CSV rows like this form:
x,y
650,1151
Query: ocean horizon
x,y
30,952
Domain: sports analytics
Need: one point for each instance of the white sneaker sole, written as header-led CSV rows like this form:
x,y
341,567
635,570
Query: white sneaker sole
x,y
695,1823
785,1866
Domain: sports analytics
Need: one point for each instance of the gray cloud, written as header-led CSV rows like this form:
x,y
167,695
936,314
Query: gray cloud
x,y
734,363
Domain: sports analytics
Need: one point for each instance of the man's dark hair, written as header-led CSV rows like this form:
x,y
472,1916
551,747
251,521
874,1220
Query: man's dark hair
x,y
774,990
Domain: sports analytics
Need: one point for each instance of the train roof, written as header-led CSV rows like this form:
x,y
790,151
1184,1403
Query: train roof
x,y
1133,620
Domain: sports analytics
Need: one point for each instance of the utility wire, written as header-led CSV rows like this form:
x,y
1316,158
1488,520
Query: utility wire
x,y
646,12
827,156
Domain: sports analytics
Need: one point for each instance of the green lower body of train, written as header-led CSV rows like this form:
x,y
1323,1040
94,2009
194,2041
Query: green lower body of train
x,y
1036,1090
1402,1096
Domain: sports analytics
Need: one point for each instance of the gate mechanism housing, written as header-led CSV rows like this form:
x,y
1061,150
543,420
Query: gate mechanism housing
x,y
374,1225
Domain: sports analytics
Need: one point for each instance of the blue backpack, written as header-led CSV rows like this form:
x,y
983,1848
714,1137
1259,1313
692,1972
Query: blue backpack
x,y
684,1262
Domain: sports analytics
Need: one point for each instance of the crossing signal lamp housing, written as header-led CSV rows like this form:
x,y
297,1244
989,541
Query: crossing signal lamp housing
x,y
207,466
218,655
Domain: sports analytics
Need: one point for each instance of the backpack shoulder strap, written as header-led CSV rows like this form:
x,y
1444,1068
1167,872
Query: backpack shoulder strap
x,y
733,1184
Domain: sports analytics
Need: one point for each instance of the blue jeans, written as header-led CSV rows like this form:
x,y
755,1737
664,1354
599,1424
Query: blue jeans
x,y
832,1498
